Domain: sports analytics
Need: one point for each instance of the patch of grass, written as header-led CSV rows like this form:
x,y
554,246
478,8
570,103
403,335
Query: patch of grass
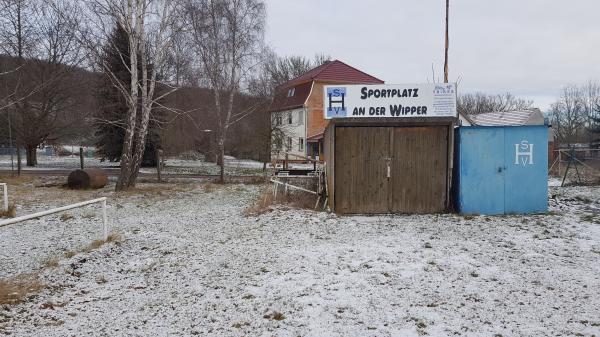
x,y
262,204
590,218
239,325
211,187
10,213
94,245
52,262
275,315
66,216
16,289
99,243
255,180
156,189
583,199
16,180
266,199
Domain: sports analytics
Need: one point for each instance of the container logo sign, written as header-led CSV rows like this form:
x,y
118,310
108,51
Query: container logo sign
x,y
336,106
524,153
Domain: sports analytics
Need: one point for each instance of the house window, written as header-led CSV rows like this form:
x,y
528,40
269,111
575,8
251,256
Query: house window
x,y
278,144
301,118
290,118
291,92
300,144
289,143
278,120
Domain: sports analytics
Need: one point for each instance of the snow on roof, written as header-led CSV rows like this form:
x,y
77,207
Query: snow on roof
x,y
522,117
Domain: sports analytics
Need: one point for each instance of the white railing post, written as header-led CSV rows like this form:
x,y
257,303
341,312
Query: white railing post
x,y
5,196
61,209
104,221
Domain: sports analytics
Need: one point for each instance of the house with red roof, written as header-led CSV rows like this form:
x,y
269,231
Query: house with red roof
x,y
297,109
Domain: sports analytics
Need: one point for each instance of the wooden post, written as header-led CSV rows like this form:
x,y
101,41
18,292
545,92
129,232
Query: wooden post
x,y
158,164
559,162
18,158
81,157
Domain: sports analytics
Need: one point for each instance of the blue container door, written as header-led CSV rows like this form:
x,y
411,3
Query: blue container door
x,y
526,153
481,171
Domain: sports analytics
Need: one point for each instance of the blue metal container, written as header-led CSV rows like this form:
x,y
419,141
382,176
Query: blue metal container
x,y
501,169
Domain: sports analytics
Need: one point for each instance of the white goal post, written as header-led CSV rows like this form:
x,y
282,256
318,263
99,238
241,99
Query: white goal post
x,y
61,209
5,196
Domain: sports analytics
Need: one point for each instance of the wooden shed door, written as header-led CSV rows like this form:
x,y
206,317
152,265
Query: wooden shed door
x,y
361,156
419,169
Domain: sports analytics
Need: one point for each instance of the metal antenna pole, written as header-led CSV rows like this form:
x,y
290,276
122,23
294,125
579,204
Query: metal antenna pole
x,y
447,43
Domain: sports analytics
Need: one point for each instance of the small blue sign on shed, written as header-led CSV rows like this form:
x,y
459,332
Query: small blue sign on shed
x,y
502,169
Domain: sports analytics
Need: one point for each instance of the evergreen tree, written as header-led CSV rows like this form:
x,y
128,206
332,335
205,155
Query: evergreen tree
x,y
110,124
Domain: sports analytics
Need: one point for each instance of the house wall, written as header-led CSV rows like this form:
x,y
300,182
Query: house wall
x,y
296,131
316,122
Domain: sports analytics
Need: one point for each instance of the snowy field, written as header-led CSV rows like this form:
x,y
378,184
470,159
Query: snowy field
x,y
191,263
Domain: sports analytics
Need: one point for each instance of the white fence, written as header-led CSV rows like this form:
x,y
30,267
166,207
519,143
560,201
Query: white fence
x,y
5,196
61,209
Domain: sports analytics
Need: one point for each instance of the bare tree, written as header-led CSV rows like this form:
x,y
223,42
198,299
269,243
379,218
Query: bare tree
x,y
41,39
590,98
227,36
568,114
151,27
275,70
473,104
15,33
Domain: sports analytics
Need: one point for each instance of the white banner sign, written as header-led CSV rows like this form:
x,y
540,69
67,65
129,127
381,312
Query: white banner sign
x,y
390,100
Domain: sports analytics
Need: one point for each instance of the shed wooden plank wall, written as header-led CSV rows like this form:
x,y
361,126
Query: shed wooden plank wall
x,y
419,169
362,153
419,154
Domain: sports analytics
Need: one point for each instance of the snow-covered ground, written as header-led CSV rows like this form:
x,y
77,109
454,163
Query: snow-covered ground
x,y
190,263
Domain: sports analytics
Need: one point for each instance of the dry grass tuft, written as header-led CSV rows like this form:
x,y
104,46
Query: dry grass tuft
x,y
16,289
262,205
70,254
265,200
52,262
99,243
209,187
10,213
255,180
66,216
16,180
156,189
94,245
214,186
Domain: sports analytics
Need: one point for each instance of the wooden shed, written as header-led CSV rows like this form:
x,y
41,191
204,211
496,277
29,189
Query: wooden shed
x,y
395,165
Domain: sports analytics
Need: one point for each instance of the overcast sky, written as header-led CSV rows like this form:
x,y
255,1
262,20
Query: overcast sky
x,y
530,48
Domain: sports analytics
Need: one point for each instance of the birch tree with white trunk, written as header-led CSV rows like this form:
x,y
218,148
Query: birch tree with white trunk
x,y
151,26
